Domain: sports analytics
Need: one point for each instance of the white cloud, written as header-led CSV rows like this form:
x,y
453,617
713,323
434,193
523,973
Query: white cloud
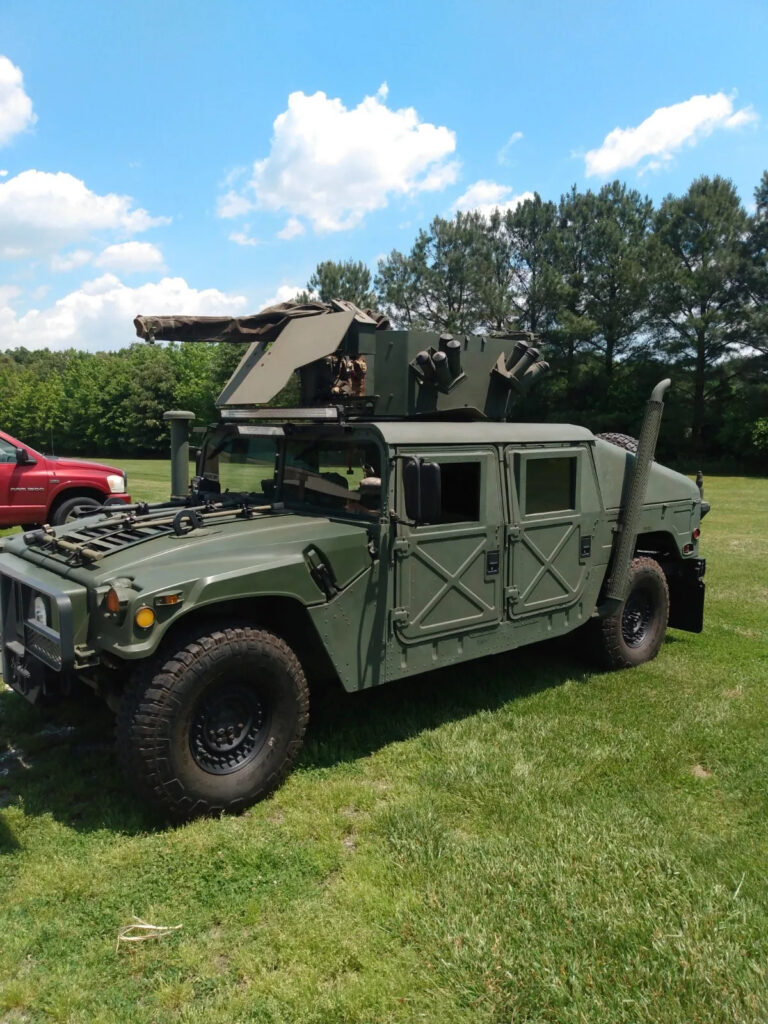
x,y
243,238
16,114
232,204
3,174
130,257
486,196
285,293
99,315
293,227
667,130
332,166
8,292
513,138
61,262
41,212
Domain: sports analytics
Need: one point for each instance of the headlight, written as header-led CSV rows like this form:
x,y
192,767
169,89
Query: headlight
x,y
116,483
39,611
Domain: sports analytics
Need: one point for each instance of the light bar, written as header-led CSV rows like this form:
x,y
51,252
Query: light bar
x,y
252,430
321,413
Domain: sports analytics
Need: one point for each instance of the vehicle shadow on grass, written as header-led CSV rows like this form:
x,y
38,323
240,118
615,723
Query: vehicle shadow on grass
x,y
60,760
344,727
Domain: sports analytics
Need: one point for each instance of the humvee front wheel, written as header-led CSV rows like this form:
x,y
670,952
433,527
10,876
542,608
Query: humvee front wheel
x,y
216,725
636,631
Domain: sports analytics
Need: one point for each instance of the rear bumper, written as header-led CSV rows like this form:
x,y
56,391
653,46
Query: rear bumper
x,y
686,595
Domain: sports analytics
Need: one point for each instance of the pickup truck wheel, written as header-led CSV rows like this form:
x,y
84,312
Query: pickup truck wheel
x,y
216,725
73,508
636,631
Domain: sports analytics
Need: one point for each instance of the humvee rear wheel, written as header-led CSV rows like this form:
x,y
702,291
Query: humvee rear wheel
x,y
636,631
216,725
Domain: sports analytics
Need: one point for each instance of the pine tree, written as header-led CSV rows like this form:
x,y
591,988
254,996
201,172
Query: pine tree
x,y
698,281
350,280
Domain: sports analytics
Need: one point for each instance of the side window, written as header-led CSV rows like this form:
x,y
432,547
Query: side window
x,y
549,485
334,474
7,452
459,492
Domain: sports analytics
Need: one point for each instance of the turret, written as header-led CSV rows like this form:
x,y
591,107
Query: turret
x,y
351,362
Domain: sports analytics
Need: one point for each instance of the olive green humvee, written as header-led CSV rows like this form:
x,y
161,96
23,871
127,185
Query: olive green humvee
x,y
391,522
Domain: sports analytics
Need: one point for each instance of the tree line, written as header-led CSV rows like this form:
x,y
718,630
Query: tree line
x,y
110,403
621,294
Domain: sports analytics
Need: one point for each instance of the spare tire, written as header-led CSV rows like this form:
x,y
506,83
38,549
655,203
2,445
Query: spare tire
x,y
621,441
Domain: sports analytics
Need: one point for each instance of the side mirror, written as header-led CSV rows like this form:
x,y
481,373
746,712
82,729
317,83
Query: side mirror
x,y
22,457
421,483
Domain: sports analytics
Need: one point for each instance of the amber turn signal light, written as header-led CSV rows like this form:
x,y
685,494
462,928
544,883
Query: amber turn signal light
x,y
144,618
112,601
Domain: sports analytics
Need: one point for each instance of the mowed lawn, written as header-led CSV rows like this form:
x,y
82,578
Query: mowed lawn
x,y
514,840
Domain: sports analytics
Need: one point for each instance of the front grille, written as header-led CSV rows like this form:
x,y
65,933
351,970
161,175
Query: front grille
x,y
20,633
45,644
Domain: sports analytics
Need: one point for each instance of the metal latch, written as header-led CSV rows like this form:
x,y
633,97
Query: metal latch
x,y
512,594
513,533
400,546
400,616
320,572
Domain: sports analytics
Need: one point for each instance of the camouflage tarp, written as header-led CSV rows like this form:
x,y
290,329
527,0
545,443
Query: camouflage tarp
x,y
263,326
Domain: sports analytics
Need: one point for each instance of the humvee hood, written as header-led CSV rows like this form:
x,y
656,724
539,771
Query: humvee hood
x,y
234,547
614,466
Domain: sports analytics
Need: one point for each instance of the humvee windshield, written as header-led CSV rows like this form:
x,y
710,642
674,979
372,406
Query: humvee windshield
x,y
318,474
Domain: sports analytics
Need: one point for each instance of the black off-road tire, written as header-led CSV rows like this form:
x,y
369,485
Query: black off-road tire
x,y
215,725
65,512
635,633
621,441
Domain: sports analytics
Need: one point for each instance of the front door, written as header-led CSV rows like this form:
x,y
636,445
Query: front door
x,y
448,573
23,489
551,536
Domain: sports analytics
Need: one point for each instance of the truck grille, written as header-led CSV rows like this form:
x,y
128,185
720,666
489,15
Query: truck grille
x,y
21,635
45,644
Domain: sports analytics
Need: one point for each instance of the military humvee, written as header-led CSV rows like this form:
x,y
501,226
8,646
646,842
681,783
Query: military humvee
x,y
393,521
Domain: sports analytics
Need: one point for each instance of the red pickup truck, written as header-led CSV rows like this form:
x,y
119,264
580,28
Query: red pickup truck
x,y
37,488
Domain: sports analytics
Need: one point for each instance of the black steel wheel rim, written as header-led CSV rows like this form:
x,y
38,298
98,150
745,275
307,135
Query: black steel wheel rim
x,y
636,618
229,727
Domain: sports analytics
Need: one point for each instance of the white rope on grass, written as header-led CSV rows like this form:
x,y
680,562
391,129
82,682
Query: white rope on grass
x,y
140,931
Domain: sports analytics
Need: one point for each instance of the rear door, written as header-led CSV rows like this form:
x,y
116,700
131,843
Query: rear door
x,y
551,537
448,573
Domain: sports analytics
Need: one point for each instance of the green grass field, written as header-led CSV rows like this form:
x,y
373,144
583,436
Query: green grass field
x,y
514,840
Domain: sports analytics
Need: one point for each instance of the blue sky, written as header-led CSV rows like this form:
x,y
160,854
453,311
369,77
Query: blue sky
x,y
160,157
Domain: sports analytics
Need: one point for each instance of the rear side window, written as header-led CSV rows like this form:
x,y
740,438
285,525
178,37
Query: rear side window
x,y
550,485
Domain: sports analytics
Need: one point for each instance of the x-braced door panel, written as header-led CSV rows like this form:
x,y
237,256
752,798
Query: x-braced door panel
x,y
448,574
549,542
